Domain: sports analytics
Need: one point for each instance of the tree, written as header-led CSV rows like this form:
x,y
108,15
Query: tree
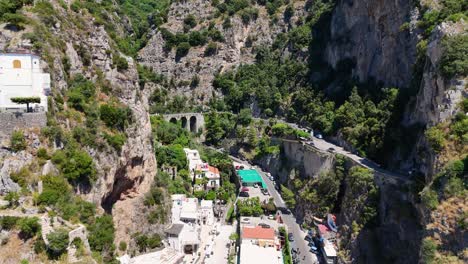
x,y
428,250
288,196
17,141
58,242
454,59
101,233
26,100
244,117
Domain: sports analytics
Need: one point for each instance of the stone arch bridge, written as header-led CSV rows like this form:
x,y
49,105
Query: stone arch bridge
x,y
193,122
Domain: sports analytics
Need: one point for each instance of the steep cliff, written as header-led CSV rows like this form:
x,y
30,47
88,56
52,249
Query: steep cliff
x,y
369,33
236,39
72,43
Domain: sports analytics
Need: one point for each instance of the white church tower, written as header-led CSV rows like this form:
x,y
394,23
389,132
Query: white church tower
x,y
21,76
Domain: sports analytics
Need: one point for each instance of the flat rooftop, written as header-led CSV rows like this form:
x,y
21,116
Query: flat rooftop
x,y
165,256
251,176
253,254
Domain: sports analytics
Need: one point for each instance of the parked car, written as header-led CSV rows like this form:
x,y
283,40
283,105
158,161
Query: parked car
x,y
271,178
290,237
319,136
245,220
271,217
255,185
265,192
244,194
264,225
331,150
244,189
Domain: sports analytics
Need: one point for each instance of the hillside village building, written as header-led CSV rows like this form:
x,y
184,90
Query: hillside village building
x,y
194,159
211,173
21,76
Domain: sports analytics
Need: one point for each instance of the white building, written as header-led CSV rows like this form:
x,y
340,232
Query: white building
x,y
184,210
206,212
254,254
184,238
165,256
21,76
210,173
194,159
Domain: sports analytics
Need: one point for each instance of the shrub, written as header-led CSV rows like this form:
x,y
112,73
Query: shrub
x,y
454,59
197,38
429,198
122,246
12,198
79,166
428,250
29,226
21,177
54,189
58,242
42,154
211,49
436,138
190,21
17,141
182,49
115,117
8,222
116,140
120,62
18,20
101,233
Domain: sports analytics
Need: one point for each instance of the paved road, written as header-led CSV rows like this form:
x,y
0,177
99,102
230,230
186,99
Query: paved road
x,y
288,219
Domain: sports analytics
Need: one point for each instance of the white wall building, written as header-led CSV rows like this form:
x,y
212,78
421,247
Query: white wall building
x,y
165,256
206,212
210,173
21,76
183,238
184,210
194,159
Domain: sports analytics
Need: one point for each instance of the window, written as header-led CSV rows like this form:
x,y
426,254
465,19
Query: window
x,y
17,64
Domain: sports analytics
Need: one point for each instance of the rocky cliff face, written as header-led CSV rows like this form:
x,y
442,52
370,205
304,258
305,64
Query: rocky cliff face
x,y
437,101
240,39
123,177
368,32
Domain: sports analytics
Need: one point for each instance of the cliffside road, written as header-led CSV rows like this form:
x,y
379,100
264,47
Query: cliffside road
x,y
325,146
289,220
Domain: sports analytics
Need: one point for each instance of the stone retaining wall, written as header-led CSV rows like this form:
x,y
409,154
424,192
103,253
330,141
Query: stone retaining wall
x,y
10,122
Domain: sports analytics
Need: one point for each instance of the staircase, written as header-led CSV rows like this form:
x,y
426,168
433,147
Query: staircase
x,y
46,228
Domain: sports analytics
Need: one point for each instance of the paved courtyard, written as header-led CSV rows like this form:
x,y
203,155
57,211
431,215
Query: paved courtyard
x,y
220,245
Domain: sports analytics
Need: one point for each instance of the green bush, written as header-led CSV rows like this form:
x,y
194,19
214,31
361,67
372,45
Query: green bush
x,y
17,141
55,188
182,49
29,226
120,62
101,234
58,242
116,140
454,61
429,198
78,166
21,177
211,49
42,154
436,138
12,198
122,246
115,117
8,222
428,250
190,21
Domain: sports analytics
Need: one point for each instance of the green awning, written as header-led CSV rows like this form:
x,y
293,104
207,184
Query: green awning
x,y
251,176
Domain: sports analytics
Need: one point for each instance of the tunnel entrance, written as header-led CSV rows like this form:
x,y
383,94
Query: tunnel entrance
x,y
184,122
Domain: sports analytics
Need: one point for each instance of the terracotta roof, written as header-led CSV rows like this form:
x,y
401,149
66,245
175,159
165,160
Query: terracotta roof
x,y
213,169
258,232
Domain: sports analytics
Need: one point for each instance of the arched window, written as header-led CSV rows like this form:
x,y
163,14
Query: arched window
x,y
17,64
